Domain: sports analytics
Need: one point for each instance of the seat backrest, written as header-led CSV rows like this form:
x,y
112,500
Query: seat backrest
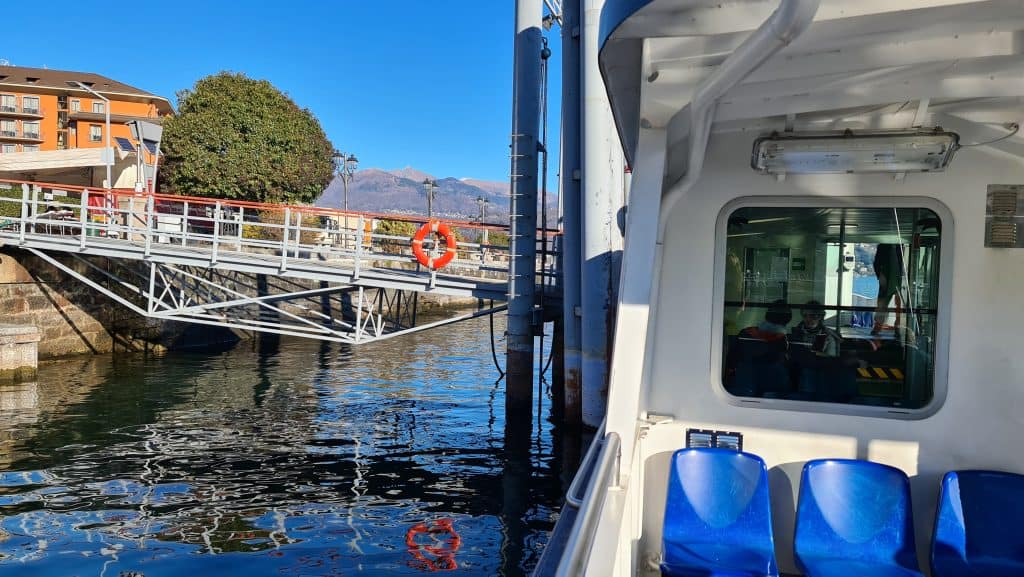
x,y
980,520
855,510
720,497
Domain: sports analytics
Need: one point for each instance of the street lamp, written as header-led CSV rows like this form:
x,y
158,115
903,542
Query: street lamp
x,y
483,202
345,166
108,153
430,187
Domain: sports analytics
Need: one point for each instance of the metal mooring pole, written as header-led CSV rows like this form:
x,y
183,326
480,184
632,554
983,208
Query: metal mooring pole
x,y
570,198
601,190
523,264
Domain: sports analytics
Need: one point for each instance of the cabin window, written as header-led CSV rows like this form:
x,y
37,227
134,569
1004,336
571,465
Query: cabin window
x,y
833,305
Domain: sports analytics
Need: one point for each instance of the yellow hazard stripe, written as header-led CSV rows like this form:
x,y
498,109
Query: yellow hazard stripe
x,y
887,373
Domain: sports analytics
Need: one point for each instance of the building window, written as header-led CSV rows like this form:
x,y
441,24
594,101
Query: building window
x,y
30,148
99,107
833,305
8,103
95,133
6,148
8,128
76,105
30,104
30,129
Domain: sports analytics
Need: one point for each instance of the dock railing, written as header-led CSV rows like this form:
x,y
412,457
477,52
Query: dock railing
x,y
291,233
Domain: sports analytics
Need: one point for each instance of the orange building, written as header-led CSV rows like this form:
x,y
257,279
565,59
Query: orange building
x,y
61,125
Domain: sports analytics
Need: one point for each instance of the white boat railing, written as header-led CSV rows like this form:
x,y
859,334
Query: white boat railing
x,y
604,477
572,496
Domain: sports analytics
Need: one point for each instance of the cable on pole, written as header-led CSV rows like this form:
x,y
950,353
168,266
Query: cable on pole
x,y
494,352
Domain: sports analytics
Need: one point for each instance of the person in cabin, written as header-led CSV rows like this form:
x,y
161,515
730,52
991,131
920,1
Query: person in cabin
x,y
814,355
888,267
757,363
811,332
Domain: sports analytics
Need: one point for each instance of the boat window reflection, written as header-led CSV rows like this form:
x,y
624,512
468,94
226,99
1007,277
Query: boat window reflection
x,y
833,305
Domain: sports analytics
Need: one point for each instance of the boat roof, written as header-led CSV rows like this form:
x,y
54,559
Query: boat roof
x,y
963,59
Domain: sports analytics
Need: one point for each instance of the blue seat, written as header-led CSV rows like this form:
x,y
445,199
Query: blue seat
x,y
717,516
854,518
979,526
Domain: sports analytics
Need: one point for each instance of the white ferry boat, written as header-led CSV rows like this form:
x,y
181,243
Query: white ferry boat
x,y
816,365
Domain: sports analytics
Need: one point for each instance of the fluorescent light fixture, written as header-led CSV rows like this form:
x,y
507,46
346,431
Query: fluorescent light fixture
x,y
923,150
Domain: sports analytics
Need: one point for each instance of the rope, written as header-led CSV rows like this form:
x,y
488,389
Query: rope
x,y
494,353
545,54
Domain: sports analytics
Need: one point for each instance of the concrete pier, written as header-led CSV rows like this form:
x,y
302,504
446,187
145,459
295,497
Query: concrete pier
x,y
19,352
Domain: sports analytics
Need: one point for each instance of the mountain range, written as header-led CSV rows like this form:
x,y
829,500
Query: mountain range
x,y
401,192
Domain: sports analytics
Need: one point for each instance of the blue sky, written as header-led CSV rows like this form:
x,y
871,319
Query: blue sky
x,y
399,83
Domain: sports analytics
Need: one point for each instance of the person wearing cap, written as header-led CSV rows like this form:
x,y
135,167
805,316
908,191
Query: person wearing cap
x,y
819,373
813,334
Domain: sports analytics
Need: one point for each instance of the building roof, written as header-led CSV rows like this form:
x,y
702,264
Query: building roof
x,y
49,79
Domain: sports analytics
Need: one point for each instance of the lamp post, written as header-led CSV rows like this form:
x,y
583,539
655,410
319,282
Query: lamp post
x,y
108,153
482,203
345,166
430,187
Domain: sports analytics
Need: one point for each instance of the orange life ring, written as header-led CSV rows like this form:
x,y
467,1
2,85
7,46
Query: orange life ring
x,y
435,227
442,549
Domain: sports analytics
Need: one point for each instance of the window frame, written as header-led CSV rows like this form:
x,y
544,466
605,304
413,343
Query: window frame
x,y
75,105
944,305
25,124
100,105
99,136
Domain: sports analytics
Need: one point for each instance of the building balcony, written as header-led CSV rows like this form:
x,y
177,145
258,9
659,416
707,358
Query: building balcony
x,y
114,118
21,112
25,137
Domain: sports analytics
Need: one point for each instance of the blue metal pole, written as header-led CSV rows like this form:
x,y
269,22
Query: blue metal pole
x,y
571,250
523,206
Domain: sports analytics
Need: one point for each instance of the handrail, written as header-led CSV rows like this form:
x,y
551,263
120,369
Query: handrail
x,y
581,539
581,473
317,210
297,236
785,24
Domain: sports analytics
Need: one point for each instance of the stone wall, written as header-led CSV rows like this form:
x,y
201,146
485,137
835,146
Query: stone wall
x,y
18,352
73,318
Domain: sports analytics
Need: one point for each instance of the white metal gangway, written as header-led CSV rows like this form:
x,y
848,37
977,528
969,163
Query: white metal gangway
x,y
294,270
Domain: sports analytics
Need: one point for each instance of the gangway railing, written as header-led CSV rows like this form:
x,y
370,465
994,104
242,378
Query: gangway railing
x,y
193,241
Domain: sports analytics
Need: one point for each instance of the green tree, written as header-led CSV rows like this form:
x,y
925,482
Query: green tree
x,y
239,138
396,228
497,238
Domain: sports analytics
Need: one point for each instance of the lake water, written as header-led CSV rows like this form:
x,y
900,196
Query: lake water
x,y
304,459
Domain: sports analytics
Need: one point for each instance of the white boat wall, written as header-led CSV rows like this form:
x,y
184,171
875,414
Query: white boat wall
x,y
713,244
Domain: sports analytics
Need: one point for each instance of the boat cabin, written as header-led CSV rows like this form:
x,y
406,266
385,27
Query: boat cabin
x,y
823,264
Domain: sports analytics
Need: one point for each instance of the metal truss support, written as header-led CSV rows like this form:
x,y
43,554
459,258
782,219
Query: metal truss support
x,y
338,313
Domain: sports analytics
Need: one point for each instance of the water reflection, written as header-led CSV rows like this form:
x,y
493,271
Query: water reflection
x,y
302,458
